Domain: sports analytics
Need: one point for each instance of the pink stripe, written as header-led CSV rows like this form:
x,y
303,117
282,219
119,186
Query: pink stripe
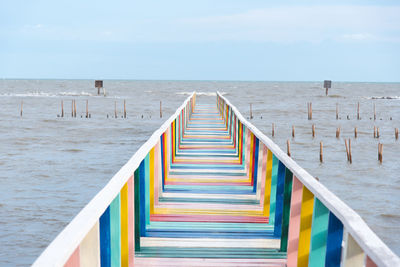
x,y
210,183
74,260
247,152
263,173
207,162
131,225
189,262
294,226
206,218
157,155
370,263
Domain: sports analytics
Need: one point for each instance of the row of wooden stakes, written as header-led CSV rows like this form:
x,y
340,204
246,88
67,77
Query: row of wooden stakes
x,y
313,132
348,151
347,142
88,115
310,111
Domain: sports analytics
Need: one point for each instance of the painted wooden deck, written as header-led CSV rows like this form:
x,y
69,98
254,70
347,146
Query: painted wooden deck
x,y
208,209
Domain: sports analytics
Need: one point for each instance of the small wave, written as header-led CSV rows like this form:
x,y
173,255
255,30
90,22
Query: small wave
x,y
36,93
336,96
45,94
75,94
387,215
201,93
73,150
384,97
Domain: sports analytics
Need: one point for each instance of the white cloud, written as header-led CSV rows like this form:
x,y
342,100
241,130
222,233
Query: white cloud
x,y
282,24
358,36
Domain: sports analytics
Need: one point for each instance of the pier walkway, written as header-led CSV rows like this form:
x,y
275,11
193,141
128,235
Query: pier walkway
x,y
211,209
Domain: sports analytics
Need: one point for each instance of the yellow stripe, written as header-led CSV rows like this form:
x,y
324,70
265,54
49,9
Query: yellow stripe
x,y
268,179
152,181
124,227
307,205
173,140
251,155
209,212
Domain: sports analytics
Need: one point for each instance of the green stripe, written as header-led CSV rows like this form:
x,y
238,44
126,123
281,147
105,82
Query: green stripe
x,y
115,227
137,210
286,209
274,179
319,234
147,187
196,252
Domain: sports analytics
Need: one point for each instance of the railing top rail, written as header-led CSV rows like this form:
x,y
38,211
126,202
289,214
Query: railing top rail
x,y
372,245
57,253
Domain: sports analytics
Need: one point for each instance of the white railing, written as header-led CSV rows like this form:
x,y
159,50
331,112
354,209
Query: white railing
x,y
370,243
62,247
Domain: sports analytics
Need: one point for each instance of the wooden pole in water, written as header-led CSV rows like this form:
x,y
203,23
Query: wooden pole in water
x,y
350,157
313,130
273,129
380,148
309,110
355,132
124,109
374,112
75,108
72,108
337,111
396,133
337,132
321,157
87,108
288,148
160,109
251,111
22,107
358,110
115,109
377,132
62,108
374,131
293,131
347,149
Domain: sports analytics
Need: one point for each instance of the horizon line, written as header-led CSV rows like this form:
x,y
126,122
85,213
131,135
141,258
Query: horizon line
x,y
196,80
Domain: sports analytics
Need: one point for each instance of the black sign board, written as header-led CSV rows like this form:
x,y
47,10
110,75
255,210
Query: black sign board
x,y
98,83
327,84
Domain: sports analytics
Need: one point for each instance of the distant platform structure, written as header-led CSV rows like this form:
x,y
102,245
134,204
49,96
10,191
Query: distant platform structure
x,y
327,85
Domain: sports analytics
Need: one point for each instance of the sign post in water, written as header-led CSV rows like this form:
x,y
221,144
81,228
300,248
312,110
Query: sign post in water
x,y
327,85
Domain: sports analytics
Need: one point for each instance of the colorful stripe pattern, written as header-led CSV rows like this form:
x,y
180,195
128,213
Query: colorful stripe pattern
x,y
211,193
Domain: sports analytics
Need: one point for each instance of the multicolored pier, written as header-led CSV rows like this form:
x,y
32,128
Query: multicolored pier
x,y
209,189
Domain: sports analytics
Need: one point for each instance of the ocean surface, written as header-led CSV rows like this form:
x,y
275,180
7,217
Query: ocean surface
x,y
51,167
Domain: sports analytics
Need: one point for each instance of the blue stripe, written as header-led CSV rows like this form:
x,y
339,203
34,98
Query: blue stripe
x,y
255,165
279,199
334,242
105,238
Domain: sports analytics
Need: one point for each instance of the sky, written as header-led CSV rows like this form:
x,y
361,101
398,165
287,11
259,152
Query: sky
x,y
258,40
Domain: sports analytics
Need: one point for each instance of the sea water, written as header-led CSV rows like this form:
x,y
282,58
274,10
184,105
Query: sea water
x,y
51,167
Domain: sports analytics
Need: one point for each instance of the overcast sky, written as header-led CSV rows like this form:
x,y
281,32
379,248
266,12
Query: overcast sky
x,y
201,40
